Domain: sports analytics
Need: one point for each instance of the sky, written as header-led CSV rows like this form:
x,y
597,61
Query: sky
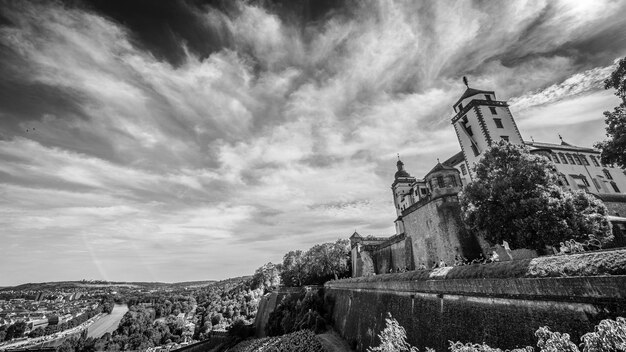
x,y
193,140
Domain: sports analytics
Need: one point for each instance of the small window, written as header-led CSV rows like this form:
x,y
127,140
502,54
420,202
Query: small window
x,y
577,159
440,182
463,170
498,123
475,150
584,159
614,185
469,130
594,161
555,158
607,174
493,110
488,97
562,181
505,138
424,191
562,156
452,180
570,159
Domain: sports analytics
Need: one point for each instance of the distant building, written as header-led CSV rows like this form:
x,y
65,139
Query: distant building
x,y
429,227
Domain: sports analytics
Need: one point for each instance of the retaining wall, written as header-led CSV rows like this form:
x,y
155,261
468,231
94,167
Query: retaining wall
x,y
501,304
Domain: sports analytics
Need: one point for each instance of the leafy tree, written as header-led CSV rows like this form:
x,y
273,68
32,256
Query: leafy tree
x,y
15,330
294,268
266,277
614,149
609,335
515,198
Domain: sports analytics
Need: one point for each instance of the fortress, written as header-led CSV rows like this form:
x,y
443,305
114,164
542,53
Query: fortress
x,y
429,226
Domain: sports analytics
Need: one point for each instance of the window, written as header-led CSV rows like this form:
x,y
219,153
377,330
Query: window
x,y
614,185
562,156
577,159
463,170
424,191
607,174
581,181
506,138
594,161
562,181
452,180
555,158
475,150
488,97
584,159
570,159
440,182
498,123
460,107
493,110
469,130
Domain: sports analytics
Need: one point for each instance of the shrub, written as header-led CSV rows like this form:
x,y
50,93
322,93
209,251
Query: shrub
x,y
609,335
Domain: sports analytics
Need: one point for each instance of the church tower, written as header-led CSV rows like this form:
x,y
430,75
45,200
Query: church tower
x,y
402,188
481,120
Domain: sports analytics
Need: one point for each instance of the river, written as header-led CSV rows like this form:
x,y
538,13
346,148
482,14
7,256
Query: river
x,y
107,323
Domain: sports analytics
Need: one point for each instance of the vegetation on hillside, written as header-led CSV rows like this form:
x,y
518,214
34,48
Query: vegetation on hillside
x,y
298,311
300,341
515,197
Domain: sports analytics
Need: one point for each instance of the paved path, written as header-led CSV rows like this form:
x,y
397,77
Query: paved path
x,y
332,342
107,323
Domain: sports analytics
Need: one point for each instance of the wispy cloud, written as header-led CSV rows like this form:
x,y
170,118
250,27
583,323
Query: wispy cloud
x,y
206,155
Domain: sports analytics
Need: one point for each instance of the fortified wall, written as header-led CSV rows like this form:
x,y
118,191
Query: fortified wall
x,y
501,304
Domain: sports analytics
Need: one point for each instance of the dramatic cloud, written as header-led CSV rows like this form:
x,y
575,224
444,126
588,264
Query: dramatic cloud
x,y
198,140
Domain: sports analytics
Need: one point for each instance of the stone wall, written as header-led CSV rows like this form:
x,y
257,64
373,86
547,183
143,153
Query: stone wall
x,y
501,304
437,232
267,305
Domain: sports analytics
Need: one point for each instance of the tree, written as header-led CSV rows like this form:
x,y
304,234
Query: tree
x,y
266,277
614,149
515,198
294,269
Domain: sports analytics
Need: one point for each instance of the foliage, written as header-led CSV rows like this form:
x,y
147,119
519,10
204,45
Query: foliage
x,y
319,264
240,329
266,277
304,340
393,338
549,341
515,198
609,335
298,311
614,149
474,347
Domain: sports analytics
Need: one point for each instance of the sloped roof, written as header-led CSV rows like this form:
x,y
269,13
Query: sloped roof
x,y
471,92
440,167
562,146
455,159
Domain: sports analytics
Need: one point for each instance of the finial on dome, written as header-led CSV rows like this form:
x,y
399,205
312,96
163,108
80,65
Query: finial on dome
x,y
561,138
465,81
438,162
398,156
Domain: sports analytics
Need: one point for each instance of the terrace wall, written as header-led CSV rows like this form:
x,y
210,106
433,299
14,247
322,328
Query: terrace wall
x,y
501,304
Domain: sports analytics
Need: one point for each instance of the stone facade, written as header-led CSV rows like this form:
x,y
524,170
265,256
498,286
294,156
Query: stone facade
x,y
429,220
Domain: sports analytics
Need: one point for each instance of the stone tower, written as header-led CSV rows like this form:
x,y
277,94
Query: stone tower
x,y
480,120
402,193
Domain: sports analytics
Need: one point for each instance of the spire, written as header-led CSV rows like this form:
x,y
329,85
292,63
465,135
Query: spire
x,y
465,81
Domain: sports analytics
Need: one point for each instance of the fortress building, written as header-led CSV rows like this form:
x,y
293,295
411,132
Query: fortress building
x,y
429,226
